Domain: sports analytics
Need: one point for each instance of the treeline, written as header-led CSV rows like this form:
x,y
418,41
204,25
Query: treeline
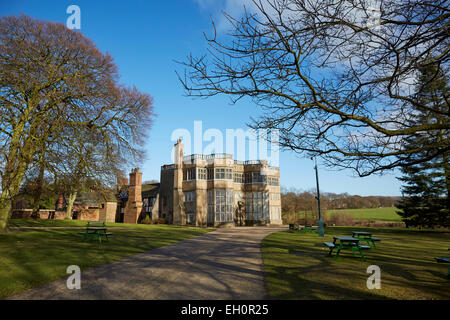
x,y
297,201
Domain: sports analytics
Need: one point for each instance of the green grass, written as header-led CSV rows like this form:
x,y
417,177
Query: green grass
x,y
297,266
30,258
50,223
378,214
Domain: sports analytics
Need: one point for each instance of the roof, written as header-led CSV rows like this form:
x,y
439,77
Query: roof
x,y
150,190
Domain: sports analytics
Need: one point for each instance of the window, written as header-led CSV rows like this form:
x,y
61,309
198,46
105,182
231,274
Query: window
x,y
238,177
210,209
223,173
229,205
276,213
228,174
258,178
201,173
210,173
189,203
191,218
189,196
191,174
257,206
274,181
224,205
220,173
238,196
275,196
220,205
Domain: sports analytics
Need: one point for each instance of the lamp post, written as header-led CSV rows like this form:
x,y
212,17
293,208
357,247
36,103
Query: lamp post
x,y
320,223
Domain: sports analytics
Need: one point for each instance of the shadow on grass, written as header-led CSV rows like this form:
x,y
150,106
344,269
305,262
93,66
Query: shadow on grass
x,y
298,267
32,258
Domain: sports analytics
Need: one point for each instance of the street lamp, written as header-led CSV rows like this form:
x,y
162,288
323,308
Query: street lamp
x,y
320,223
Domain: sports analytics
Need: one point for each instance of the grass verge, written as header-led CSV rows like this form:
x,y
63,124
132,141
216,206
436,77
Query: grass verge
x,y
297,266
32,258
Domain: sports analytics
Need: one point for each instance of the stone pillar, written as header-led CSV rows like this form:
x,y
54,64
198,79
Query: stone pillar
x,y
133,207
179,214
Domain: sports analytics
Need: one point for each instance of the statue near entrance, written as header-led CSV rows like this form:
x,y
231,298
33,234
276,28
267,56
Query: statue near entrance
x,y
240,214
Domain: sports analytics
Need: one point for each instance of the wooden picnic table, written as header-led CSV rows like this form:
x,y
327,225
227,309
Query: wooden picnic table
x,y
346,243
95,229
365,236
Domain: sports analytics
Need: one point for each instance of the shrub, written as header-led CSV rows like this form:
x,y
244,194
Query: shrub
x,y
341,219
146,220
160,221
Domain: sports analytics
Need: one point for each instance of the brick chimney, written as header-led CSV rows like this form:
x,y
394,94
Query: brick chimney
x,y
133,207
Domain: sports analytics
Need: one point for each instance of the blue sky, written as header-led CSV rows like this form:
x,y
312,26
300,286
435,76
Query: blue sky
x,y
145,37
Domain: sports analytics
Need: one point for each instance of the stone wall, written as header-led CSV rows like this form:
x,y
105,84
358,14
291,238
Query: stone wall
x,y
108,212
89,215
26,213
85,214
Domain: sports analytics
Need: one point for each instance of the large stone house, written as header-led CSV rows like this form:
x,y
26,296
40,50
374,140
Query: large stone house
x,y
217,190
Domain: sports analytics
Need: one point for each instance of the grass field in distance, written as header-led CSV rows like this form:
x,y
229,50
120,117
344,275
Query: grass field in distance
x,y
378,214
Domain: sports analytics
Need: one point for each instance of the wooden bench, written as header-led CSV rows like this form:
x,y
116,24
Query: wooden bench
x,y
330,246
96,224
444,260
308,228
95,229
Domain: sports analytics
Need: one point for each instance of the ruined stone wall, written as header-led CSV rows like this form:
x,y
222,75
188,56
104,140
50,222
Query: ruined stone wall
x,y
108,212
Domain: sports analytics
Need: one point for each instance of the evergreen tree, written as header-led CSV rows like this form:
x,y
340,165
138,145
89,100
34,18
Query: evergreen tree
x,y
425,200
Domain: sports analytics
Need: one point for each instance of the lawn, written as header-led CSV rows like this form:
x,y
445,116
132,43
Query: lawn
x,y
297,266
378,214
30,258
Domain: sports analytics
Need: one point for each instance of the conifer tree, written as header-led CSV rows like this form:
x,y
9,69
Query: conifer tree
x,y
425,200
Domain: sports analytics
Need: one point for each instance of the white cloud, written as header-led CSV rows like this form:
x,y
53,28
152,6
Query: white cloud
x,y
235,8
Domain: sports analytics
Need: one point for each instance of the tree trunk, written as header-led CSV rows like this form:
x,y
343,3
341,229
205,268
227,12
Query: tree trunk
x,y
5,209
6,199
70,201
11,181
38,193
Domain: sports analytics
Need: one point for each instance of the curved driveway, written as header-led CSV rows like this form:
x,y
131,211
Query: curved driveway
x,y
223,264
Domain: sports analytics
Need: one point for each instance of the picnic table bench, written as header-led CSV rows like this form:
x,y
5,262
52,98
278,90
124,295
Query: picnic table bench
x,y
346,243
295,226
365,236
444,260
308,228
95,229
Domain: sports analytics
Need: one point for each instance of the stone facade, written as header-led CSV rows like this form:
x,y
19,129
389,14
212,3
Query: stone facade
x,y
219,191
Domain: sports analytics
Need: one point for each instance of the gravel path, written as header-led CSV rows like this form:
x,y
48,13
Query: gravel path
x,y
223,264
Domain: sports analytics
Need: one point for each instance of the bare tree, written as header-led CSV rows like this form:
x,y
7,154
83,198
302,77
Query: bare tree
x,y
52,75
336,78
